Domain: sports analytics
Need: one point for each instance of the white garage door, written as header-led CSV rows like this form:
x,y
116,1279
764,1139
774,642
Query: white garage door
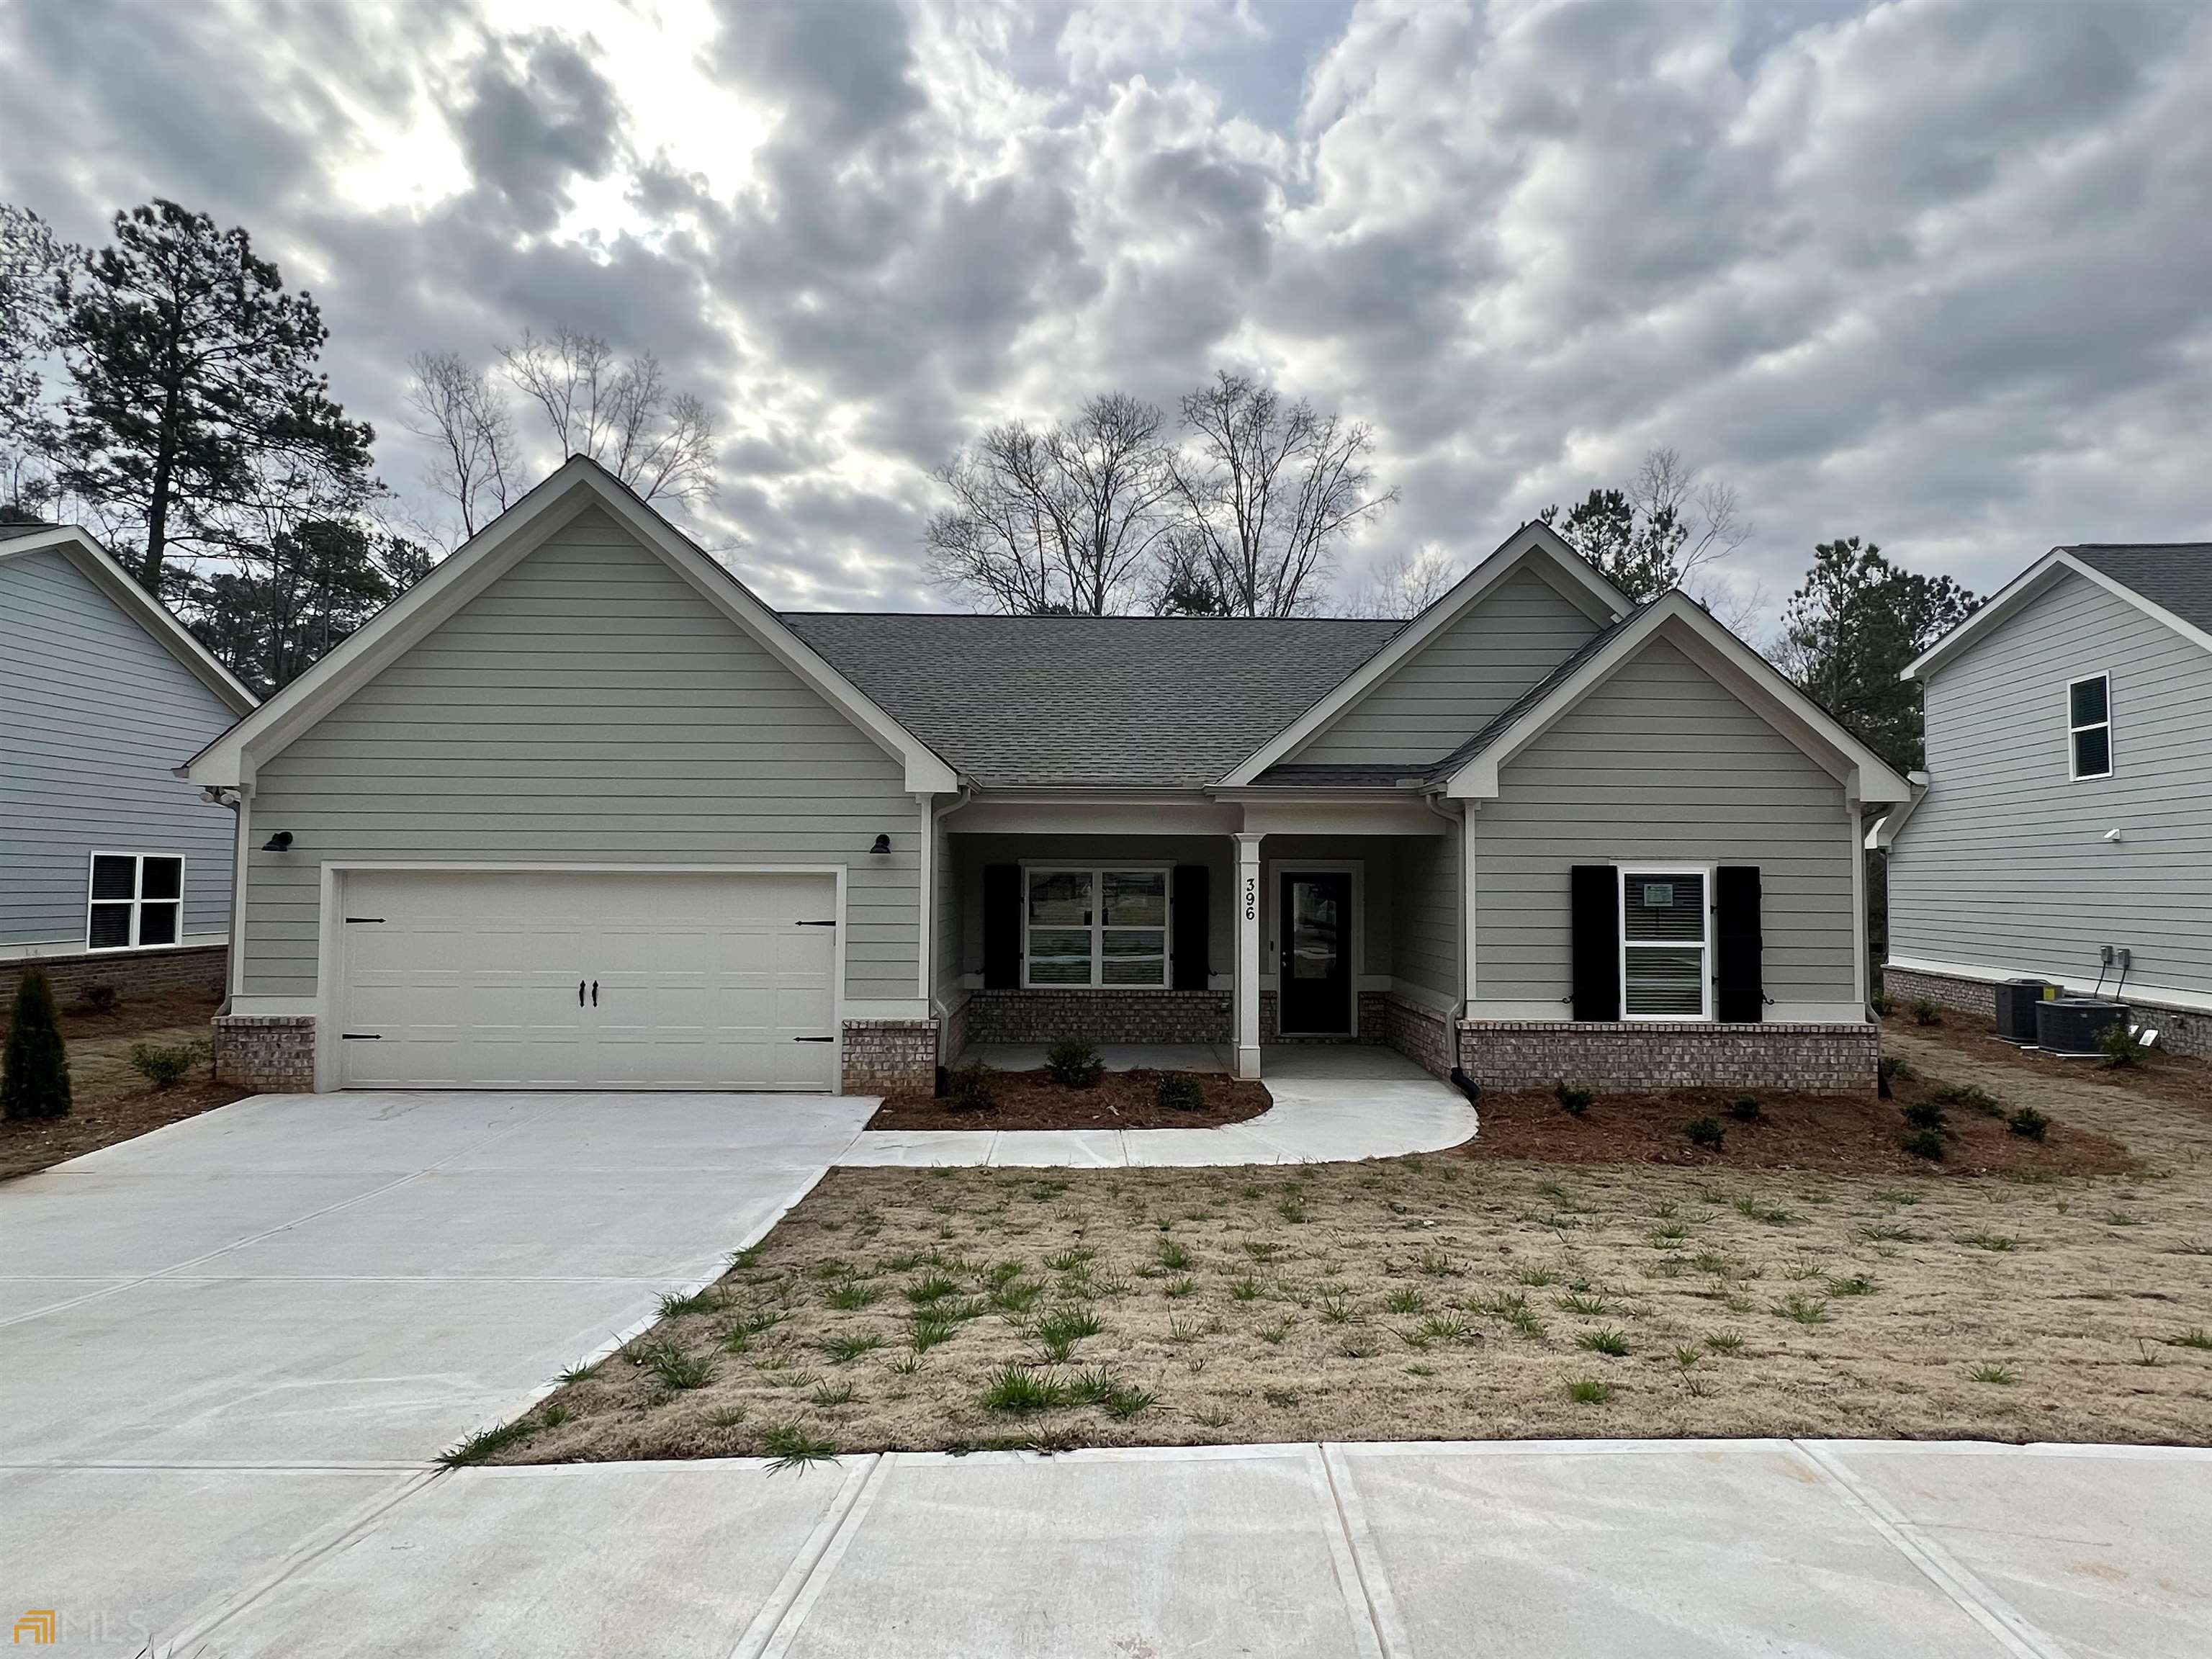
x,y
556,980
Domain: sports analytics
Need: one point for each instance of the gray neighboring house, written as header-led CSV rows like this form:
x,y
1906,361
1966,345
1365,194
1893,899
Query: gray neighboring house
x,y
2066,811
579,811
116,870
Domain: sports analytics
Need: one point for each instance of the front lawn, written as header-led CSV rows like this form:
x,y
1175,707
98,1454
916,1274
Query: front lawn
x,y
1451,1296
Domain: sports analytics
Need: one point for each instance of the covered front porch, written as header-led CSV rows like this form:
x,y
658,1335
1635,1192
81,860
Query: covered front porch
x,y
1226,945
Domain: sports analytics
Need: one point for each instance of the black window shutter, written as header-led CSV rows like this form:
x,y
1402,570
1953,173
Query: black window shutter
x,y
1193,931
1002,926
1739,988
1595,892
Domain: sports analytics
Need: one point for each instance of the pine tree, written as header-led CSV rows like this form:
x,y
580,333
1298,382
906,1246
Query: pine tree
x,y
34,1079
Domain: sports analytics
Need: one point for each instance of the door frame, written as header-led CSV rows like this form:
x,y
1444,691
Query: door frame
x,y
329,949
1271,880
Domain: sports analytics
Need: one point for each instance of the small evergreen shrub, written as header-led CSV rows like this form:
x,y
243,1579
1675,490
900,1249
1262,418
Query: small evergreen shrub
x,y
1573,1102
34,1079
1925,1012
1745,1110
1882,1004
2121,1047
1925,1143
969,1088
165,1065
1966,1095
2029,1123
98,998
1073,1063
1706,1132
1927,1114
1180,1091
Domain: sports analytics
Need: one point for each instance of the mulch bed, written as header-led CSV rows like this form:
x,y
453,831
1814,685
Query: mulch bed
x,y
1121,1100
1830,1134
2181,1078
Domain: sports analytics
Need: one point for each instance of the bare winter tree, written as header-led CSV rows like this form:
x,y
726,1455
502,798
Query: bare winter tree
x,y
1065,518
1703,514
622,413
1406,584
1267,488
466,420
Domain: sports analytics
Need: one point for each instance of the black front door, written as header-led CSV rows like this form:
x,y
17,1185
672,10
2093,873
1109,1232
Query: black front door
x,y
1315,971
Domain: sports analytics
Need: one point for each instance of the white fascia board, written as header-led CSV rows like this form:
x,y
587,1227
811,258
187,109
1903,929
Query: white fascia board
x,y
1581,582
495,550
2038,578
1864,775
100,567
1883,833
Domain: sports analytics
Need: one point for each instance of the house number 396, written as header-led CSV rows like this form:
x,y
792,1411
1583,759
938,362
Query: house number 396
x,y
1251,898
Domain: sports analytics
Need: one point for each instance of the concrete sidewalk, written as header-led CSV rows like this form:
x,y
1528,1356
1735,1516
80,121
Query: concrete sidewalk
x,y
1526,1549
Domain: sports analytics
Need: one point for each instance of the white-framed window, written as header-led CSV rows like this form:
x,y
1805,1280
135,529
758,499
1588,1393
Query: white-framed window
x,y
2089,727
1095,925
134,900
1666,942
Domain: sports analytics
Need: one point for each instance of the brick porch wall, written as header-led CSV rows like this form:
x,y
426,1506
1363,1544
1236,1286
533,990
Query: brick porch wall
x,y
271,1054
883,1054
2180,1030
1420,1033
132,973
1102,1015
1817,1058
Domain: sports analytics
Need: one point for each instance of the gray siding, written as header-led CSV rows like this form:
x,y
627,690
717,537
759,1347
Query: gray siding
x,y
589,707
1662,762
1448,691
2004,866
1425,912
94,713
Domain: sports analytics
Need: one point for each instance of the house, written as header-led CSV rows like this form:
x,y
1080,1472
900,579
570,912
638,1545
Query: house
x,y
117,872
2063,829
579,810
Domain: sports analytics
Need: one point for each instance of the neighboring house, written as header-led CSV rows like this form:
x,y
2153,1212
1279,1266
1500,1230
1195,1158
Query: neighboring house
x,y
112,869
2067,806
579,810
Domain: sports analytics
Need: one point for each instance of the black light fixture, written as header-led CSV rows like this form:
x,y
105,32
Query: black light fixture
x,y
882,844
279,842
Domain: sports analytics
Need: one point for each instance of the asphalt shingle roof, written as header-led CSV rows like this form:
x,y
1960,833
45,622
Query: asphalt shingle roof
x,y
1091,701
9,532
2176,575
1527,699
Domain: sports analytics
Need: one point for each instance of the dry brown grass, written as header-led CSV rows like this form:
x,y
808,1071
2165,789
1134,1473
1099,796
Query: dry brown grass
x,y
1442,1297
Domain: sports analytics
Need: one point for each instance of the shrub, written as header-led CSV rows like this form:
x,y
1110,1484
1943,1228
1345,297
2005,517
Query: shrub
x,y
969,1088
1925,1143
2120,1046
1927,1114
1965,1094
98,998
34,1079
1882,1004
164,1065
1573,1102
1925,1012
1180,1091
1706,1132
2029,1123
1073,1063
1745,1110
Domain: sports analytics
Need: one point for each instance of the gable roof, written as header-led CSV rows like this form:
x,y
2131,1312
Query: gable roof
x,y
1093,702
98,567
577,485
2170,582
1471,771
1532,544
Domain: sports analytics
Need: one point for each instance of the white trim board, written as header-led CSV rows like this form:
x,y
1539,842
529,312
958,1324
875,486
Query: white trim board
x,y
2037,579
1575,577
580,484
98,567
1685,623
48,950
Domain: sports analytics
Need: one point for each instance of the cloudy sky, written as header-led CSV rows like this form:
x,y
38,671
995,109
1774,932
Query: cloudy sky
x,y
1937,274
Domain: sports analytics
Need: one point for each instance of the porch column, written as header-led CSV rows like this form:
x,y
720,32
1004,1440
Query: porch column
x,y
1248,955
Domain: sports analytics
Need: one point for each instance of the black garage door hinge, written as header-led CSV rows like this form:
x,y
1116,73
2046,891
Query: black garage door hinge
x,y
814,1039
352,920
814,924
360,1036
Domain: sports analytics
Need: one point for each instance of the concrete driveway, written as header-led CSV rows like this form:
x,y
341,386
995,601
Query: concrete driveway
x,y
222,1337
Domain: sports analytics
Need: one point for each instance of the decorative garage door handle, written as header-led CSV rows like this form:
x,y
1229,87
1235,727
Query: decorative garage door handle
x,y
580,994
595,993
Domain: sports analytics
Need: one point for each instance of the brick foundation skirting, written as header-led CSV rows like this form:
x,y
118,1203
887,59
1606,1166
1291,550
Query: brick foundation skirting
x,y
271,1054
132,973
1102,1015
2180,1030
1817,1058
1422,1034
885,1054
